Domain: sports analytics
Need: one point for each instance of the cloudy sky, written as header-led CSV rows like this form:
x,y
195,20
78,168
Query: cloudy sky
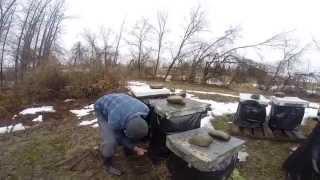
x,y
258,19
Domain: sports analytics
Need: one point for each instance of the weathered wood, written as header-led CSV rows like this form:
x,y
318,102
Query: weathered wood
x,y
265,132
290,135
258,132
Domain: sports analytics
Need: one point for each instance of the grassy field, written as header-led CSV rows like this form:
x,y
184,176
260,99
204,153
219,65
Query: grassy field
x,y
60,149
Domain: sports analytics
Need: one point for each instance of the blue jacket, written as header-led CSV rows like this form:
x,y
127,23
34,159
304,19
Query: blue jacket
x,y
118,110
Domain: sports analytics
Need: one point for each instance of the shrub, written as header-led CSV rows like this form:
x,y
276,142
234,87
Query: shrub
x,y
53,81
42,84
89,83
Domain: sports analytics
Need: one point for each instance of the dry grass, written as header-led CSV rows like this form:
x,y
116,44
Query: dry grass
x,y
49,83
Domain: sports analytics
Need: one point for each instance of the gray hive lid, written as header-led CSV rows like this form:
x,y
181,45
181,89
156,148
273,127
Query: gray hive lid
x,y
168,110
203,159
289,101
262,100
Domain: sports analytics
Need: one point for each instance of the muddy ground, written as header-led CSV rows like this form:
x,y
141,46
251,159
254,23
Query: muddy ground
x,y
59,149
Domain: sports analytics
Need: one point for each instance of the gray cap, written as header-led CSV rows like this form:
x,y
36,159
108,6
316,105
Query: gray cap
x,y
137,128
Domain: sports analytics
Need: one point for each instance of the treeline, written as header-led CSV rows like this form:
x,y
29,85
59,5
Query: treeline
x,y
197,55
29,32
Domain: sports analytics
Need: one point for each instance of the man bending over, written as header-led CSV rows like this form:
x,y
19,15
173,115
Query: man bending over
x,y
121,119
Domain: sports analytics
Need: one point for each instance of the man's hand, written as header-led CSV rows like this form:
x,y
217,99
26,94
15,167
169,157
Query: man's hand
x,y
140,151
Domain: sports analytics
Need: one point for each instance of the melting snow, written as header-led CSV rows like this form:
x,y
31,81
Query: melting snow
x,y
37,110
12,128
68,100
86,123
213,93
96,125
84,111
243,156
309,113
206,121
218,108
38,119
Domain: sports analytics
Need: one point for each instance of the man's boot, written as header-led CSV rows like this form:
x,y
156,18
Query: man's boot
x,y
110,169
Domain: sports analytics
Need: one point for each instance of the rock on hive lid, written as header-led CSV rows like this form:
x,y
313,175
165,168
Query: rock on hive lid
x,y
176,100
205,159
156,86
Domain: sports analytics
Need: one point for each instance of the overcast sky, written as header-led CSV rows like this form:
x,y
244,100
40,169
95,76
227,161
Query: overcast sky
x,y
258,19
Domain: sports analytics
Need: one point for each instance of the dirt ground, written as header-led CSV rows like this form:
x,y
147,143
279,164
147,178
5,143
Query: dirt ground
x,y
59,149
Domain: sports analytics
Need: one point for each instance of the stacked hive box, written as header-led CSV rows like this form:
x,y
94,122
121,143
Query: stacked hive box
x,y
193,162
286,112
167,118
251,113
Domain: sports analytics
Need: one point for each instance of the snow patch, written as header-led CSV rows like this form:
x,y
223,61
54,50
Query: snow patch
x,y
243,156
206,122
96,125
36,110
84,111
86,123
38,119
68,100
309,113
12,128
212,93
218,108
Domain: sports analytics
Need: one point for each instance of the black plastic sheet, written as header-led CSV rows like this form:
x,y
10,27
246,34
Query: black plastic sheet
x,y
250,114
180,170
285,117
299,164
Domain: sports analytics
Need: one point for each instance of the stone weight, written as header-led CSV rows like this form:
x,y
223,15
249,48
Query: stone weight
x,y
201,140
156,86
176,100
219,135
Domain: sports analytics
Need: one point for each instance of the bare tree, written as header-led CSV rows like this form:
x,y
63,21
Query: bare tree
x,y
291,54
105,35
140,35
91,39
116,54
195,25
7,11
38,17
219,53
161,29
78,53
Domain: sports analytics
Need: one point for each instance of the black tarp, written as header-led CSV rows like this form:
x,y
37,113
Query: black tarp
x,y
166,119
299,164
180,171
250,114
285,117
